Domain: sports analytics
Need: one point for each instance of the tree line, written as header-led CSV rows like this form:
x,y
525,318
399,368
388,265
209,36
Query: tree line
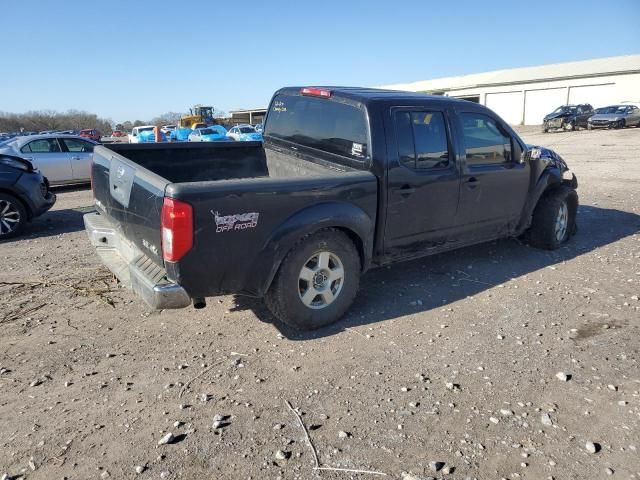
x,y
37,121
40,120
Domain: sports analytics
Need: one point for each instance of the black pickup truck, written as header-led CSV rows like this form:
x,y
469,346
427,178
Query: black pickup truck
x,y
347,179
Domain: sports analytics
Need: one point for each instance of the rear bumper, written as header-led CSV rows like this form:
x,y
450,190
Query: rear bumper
x,y
132,267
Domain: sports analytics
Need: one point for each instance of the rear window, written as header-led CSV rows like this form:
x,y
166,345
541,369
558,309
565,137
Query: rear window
x,y
319,123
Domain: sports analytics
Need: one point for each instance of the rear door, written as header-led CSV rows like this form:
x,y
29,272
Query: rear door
x,y
422,181
494,183
81,155
48,156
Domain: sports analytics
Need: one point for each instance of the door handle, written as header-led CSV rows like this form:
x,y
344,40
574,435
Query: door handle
x,y
473,182
75,158
405,190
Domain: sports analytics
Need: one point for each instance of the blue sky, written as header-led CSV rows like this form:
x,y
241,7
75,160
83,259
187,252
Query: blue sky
x,y
128,60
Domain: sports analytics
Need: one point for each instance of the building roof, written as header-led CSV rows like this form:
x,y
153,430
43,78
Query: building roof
x,y
556,71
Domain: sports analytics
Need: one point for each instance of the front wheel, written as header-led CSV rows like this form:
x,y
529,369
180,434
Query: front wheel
x,y
317,281
620,124
569,126
13,216
554,218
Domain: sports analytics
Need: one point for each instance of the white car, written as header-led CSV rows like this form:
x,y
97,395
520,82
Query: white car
x,y
134,136
61,158
244,133
167,129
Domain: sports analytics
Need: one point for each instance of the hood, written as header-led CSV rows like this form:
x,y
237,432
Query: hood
x,y
607,116
546,155
551,116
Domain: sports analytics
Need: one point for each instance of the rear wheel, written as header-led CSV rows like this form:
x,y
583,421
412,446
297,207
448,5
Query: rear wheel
x,y
13,216
317,281
620,124
554,218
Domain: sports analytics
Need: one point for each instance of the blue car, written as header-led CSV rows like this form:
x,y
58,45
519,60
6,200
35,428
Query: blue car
x,y
147,136
214,133
244,133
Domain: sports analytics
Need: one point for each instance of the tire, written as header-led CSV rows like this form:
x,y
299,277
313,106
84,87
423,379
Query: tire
x,y
620,124
589,126
303,293
13,216
569,126
554,218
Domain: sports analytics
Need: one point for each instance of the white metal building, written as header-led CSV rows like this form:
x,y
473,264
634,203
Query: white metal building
x,y
526,95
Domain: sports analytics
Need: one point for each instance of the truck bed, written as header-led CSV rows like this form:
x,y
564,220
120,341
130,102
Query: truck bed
x,y
212,161
224,183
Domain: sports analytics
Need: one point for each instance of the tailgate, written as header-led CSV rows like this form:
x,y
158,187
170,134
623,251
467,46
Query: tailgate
x,y
131,196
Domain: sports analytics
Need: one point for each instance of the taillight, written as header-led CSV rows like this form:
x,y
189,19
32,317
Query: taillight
x,y
316,92
177,229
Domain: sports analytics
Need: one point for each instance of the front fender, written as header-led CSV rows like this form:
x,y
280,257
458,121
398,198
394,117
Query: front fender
x,y
550,178
340,215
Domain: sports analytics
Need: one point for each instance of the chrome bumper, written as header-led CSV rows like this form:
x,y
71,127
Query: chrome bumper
x,y
132,267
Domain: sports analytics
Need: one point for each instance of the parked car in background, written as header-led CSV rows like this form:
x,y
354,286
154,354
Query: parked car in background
x,y
24,194
258,127
214,133
167,129
134,136
244,133
63,159
615,116
67,132
568,117
91,134
118,133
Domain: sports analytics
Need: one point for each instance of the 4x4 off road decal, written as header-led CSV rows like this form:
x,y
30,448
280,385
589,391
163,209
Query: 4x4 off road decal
x,y
239,221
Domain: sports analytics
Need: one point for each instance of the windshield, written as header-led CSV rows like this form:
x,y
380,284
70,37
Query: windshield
x,y
207,131
563,109
247,130
610,110
146,129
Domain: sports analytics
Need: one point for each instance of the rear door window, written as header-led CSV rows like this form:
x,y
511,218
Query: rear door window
x,y
321,124
422,139
45,145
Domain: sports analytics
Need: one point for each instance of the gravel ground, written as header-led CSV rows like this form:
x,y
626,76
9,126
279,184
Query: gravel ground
x,y
498,361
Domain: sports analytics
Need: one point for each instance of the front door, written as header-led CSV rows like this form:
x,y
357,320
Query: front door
x,y
47,155
494,183
422,182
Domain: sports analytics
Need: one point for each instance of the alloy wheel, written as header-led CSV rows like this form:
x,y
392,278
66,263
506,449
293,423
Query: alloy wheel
x,y
562,222
9,217
320,280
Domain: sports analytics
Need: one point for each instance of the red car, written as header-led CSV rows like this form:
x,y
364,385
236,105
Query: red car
x,y
118,133
91,133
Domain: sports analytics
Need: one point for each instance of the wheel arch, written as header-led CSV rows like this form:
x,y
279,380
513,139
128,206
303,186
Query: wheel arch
x,y
550,179
344,217
17,196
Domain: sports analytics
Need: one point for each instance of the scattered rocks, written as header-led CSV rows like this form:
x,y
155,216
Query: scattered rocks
x,y
506,413
436,466
165,474
613,388
452,386
282,455
168,438
546,419
609,471
563,377
343,434
448,470
105,474
35,383
139,469
494,420
592,447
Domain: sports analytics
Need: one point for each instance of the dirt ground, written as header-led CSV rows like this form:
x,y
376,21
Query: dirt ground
x,y
450,359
